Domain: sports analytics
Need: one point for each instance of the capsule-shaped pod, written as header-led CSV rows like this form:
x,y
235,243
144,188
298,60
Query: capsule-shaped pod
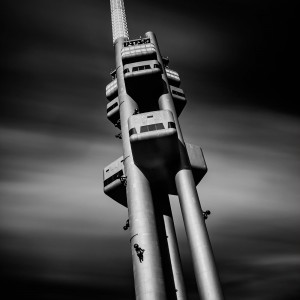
x,y
114,181
137,52
153,138
197,161
112,90
173,77
178,98
113,112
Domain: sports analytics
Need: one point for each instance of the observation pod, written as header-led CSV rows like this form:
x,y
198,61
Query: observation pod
x,y
178,99
137,50
114,181
144,83
173,77
113,112
197,161
153,138
112,90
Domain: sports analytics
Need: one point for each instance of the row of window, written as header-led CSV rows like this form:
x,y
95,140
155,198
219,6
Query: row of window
x,y
138,48
140,68
111,86
112,107
178,93
152,127
136,42
113,178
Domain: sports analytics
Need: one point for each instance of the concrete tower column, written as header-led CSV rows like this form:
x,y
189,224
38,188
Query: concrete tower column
x,y
207,278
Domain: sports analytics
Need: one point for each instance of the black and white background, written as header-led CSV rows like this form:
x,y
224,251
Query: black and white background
x,y
61,237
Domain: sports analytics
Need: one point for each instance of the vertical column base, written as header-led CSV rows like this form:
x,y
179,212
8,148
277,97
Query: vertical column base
x,y
204,265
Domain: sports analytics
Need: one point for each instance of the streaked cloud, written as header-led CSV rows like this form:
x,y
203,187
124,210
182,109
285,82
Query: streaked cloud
x,y
60,235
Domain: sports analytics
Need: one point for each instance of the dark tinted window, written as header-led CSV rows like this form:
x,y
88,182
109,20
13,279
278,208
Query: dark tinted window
x,y
144,129
147,67
126,71
178,93
153,127
134,69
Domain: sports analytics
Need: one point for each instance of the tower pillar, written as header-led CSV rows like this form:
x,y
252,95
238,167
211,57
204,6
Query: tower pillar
x,y
174,251
147,269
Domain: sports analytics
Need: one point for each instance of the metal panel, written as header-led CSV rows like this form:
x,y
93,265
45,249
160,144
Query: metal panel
x,y
113,112
152,147
113,185
178,98
112,90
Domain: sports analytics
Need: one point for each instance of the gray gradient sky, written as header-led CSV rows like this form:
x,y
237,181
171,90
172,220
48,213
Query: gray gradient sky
x,y
61,237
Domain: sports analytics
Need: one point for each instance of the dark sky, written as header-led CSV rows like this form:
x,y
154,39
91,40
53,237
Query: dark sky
x,y
61,237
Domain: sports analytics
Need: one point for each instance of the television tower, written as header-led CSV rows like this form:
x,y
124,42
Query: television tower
x,y
144,103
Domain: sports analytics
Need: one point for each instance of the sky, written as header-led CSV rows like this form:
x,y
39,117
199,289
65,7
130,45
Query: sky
x,y
61,236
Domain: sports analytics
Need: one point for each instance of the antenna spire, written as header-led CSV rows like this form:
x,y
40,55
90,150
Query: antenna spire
x,y
118,20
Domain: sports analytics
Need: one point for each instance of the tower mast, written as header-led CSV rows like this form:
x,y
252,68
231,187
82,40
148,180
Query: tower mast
x,y
118,20
144,103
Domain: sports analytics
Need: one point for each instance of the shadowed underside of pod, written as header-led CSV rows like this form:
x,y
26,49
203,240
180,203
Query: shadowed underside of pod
x,y
197,161
144,83
114,175
137,50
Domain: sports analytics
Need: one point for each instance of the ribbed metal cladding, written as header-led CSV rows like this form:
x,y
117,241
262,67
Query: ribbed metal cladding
x,y
118,20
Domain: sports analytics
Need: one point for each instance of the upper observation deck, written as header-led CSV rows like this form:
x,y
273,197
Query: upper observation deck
x,y
142,69
138,50
135,42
